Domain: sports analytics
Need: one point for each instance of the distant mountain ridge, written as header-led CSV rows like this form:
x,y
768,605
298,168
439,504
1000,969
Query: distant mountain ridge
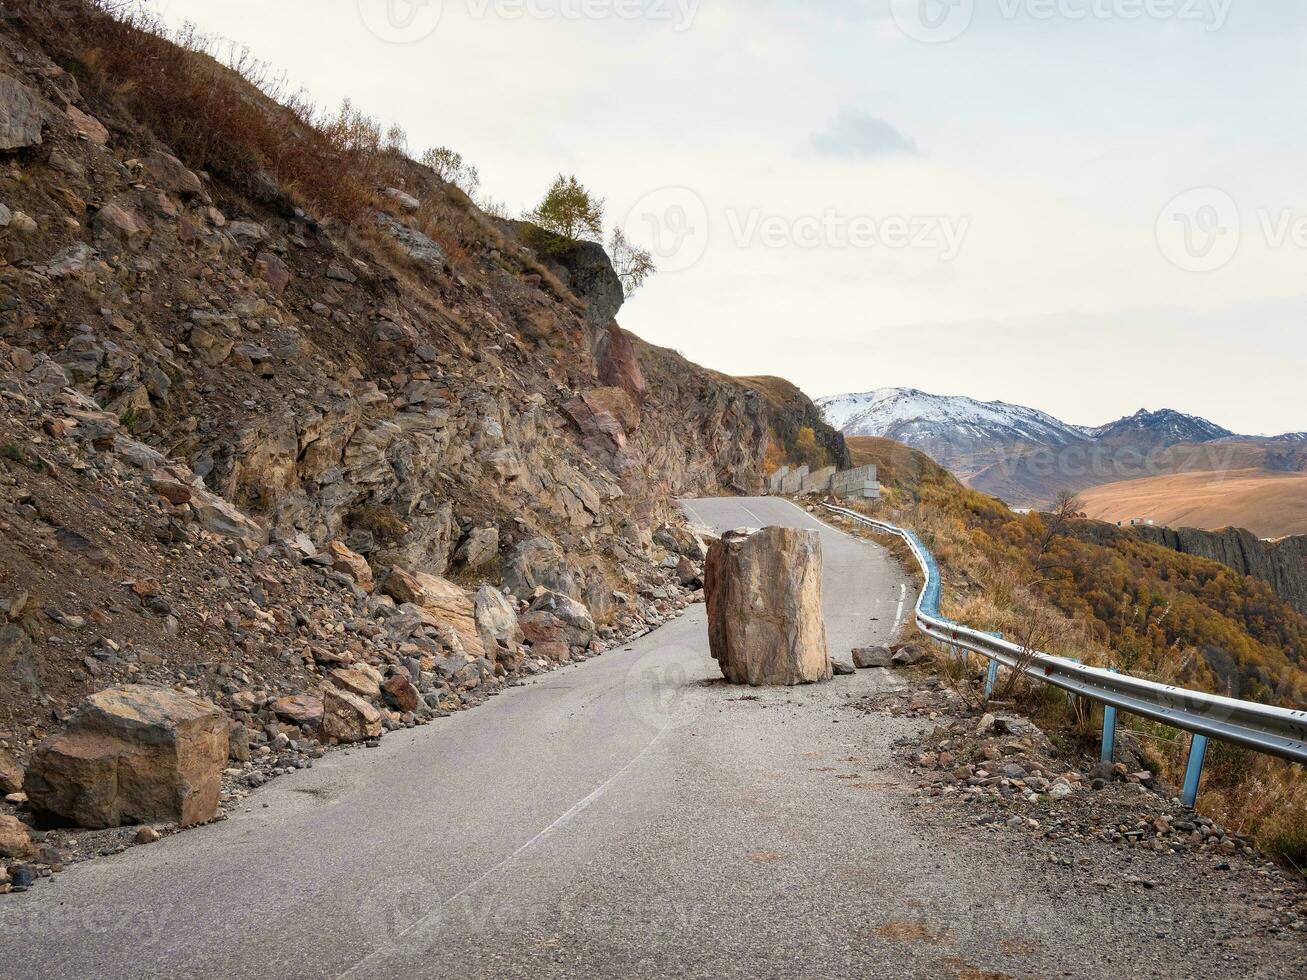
x,y
1026,457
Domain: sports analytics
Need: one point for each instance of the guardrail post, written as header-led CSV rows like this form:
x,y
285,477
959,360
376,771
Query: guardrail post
x,y
1194,774
1109,729
991,678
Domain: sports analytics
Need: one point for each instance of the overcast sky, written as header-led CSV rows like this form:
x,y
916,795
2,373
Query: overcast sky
x,y
1086,206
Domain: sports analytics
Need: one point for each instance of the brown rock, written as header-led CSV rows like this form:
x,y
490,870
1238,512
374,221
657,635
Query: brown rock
x,y
400,693
15,842
11,774
272,270
445,603
88,126
867,657
129,754
350,563
118,220
173,491
171,174
556,618
765,623
304,710
357,681
558,653
347,717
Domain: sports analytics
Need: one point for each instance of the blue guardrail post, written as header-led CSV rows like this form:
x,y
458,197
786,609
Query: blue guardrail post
x,y
1194,774
1109,729
991,678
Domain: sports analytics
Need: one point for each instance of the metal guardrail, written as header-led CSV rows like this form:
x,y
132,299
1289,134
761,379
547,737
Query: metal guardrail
x,y
1277,731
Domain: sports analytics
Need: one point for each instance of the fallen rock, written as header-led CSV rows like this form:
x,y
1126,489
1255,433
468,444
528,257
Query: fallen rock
x,y
765,623
356,680
908,655
132,754
147,835
865,658
444,603
840,668
400,693
556,618
304,710
87,126
15,842
496,620
350,563
347,717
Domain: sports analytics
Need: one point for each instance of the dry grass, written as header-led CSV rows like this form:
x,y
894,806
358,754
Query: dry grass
x,y
221,110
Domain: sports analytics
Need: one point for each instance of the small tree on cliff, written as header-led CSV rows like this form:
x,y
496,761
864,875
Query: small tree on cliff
x,y
568,213
633,265
450,167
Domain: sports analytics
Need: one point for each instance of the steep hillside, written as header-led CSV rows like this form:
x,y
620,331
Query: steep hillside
x,y
1095,591
234,331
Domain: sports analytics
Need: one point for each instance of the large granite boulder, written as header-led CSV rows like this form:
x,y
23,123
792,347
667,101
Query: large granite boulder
x,y
765,624
496,620
443,604
132,754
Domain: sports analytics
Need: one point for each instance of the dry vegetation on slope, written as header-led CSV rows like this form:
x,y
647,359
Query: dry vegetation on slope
x,y
1108,598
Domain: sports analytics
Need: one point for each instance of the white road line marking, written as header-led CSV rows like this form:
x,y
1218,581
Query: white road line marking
x,y
761,522
562,821
898,615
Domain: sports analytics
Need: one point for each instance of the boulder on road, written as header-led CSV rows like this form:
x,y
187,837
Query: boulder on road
x,y
132,754
347,717
765,623
867,657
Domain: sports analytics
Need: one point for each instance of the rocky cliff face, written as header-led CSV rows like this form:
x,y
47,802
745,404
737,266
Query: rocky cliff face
x,y
413,384
1282,564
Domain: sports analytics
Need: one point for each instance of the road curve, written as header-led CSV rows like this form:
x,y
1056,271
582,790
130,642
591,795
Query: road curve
x,y
633,816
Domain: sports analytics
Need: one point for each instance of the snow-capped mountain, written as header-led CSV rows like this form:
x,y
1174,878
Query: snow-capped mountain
x,y
1164,428
885,411
961,433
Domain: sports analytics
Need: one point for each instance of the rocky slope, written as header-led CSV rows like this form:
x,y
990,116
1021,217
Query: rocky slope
x,y
234,430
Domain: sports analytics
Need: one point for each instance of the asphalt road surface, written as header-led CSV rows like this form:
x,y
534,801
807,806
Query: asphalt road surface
x,y
633,816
